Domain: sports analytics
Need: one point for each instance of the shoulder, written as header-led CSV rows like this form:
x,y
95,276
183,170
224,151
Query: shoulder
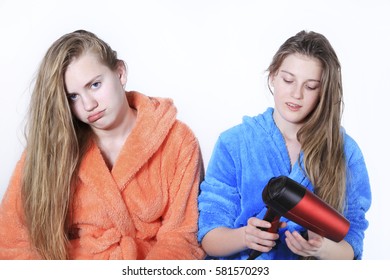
x,y
182,134
180,127
352,150
250,128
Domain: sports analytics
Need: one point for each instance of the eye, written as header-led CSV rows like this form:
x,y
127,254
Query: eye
x,y
287,81
96,85
72,97
311,87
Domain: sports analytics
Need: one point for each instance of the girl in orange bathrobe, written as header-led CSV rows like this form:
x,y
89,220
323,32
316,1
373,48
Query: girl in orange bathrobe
x,y
106,174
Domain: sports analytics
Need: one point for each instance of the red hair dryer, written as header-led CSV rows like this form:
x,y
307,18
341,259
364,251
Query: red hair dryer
x,y
285,197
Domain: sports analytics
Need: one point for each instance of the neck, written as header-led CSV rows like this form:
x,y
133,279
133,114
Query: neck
x,y
289,130
121,130
111,141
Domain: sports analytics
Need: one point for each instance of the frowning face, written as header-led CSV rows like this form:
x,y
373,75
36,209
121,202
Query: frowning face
x,y
95,92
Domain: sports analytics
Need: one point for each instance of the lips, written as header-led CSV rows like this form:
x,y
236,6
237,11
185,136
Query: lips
x,y
93,118
293,106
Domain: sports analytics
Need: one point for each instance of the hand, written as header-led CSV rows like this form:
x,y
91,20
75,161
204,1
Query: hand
x,y
305,248
258,239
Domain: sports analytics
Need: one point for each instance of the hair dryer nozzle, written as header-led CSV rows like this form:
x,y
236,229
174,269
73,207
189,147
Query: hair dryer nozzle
x,y
281,195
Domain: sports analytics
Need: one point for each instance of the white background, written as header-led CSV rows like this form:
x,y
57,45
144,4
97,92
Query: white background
x,y
209,56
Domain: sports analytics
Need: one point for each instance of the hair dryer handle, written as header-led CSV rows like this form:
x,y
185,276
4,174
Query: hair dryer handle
x,y
272,217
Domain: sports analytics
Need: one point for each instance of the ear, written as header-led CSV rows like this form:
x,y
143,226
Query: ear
x,y
122,72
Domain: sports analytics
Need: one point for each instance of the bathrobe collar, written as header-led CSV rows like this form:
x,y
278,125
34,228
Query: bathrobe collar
x,y
155,118
267,123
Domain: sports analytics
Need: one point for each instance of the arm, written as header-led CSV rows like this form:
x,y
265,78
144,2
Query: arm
x,y
14,237
176,239
224,241
220,205
358,201
318,247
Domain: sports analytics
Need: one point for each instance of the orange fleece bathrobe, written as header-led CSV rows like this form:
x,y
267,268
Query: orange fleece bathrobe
x,y
144,208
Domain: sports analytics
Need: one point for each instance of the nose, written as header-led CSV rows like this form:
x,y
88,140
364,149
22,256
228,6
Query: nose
x,y
89,102
297,92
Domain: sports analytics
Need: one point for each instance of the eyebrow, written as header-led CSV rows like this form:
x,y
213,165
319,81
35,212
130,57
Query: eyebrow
x,y
310,80
88,84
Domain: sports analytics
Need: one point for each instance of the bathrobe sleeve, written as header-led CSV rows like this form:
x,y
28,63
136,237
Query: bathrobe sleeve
x,y
219,200
14,237
358,196
176,238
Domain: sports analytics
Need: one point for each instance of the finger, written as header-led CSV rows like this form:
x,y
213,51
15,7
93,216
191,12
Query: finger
x,y
260,248
258,228
314,239
301,246
316,242
290,239
259,244
294,249
282,224
295,246
299,237
298,241
256,222
256,235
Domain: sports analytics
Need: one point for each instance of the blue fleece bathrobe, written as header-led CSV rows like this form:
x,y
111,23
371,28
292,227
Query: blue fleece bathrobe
x,y
245,158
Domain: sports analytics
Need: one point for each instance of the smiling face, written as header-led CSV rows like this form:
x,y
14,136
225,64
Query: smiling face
x,y
95,92
297,85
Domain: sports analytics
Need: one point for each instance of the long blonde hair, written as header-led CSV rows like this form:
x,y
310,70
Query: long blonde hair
x,y
56,142
321,137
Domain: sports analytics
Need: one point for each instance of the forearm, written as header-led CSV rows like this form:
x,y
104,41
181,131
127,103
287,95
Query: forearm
x,y
336,251
224,241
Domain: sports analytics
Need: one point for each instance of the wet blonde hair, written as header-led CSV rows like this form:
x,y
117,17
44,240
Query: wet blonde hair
x,y
56,142
321,137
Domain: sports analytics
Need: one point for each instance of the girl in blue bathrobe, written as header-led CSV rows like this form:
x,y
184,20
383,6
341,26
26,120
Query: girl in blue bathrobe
x,y
302,138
